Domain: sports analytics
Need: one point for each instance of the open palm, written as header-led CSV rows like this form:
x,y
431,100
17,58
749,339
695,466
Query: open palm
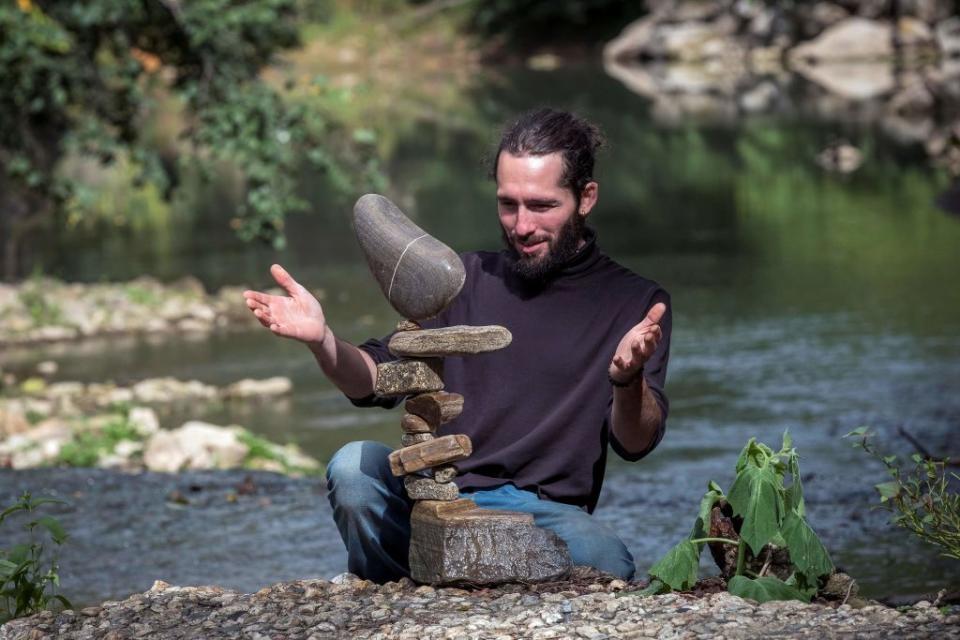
x,y
297,315
638,344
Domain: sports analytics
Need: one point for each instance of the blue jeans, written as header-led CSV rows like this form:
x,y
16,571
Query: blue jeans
x,y
372,512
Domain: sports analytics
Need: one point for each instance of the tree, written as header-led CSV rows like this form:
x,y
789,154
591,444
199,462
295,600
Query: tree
x,y
77,77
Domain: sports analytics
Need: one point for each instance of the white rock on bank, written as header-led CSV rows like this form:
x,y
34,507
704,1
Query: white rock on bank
x,y
171,389
250,388
35,446
195,445
144,420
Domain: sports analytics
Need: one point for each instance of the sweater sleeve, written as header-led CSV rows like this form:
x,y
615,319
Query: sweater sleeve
x,y
655,373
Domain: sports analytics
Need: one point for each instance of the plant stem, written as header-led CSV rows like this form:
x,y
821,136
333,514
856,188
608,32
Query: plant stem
x,y
724,540
741,556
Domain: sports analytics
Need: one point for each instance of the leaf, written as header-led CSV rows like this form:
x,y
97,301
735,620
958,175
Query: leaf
x,y
679,567
859,432
53,525
742,459
888,490
804,584
795,492
764,589
807,553
787,440
655,588
701,527
755,496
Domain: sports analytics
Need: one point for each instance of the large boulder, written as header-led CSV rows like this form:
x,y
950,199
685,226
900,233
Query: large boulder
x,y
195,445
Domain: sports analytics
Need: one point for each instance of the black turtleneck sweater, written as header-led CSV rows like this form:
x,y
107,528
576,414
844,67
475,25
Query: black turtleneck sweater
x,y
538,411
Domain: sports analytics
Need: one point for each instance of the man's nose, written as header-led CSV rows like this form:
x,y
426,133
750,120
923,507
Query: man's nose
x,y
526,223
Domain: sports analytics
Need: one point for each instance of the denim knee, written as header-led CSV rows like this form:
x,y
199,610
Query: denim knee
x,y
356,471
592,544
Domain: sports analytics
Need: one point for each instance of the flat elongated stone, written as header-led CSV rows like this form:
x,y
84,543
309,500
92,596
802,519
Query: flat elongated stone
x,y
436,408
443,509
412,423
409,376
419,488
417,273
480,546
430,454
409,439
459,340
445,473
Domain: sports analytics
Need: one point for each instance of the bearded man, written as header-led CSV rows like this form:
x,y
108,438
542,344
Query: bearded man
x,y
586,367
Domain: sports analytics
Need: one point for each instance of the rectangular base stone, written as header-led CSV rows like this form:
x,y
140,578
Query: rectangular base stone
x,y
404,377
430,454
467,545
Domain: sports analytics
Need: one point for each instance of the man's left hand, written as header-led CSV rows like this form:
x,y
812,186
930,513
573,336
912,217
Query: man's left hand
x,y
637,345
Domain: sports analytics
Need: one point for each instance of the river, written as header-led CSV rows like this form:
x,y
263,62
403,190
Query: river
x,y
803,300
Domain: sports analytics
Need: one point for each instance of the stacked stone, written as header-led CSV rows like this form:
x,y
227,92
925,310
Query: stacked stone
x,y
425,459
452,541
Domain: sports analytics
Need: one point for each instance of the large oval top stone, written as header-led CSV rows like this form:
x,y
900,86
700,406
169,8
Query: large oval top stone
x,y
417,273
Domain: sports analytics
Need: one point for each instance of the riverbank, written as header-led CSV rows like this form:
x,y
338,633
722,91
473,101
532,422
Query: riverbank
x,y
69,423
589,607
40,310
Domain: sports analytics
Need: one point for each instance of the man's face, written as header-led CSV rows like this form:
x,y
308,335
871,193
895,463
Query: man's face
x,y
541,224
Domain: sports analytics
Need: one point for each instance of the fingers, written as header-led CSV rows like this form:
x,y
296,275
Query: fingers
x,y
285,280
262,298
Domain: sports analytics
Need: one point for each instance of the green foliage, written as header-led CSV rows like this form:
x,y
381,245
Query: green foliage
x,y
42,311
80,77
87,446
260,449
920,497
771,512
29,571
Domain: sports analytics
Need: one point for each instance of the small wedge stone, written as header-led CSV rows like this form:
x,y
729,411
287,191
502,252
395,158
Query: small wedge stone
x,y
436,408
411,423
409,376
409,439
459,340
408,325
438,451
444,474
419,488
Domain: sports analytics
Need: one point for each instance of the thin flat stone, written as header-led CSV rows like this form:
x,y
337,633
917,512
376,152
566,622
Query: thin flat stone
x,y
443,509
409,376
436,452
445,473
409,439
465,545
417,273
459,340
408,325
412,423
419,488
436,408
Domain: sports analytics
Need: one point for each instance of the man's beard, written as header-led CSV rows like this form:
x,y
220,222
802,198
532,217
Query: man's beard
x,y
559,252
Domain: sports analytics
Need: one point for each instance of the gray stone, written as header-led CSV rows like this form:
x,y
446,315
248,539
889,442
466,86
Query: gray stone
x,y
436,408
433,453
411,423
449,341
421,488
409,376
409,439
408,325
445,473
417,273
461,544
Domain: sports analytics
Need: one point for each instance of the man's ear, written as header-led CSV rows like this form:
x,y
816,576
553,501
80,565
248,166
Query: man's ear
x,y
588,197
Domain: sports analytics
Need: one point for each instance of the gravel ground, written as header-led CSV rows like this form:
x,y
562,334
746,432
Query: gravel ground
x,y
594,608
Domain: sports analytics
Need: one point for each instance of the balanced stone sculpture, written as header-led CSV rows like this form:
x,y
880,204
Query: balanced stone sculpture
x,y
452,540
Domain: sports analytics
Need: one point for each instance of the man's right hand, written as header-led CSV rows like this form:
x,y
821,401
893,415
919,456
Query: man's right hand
x,y
297,315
